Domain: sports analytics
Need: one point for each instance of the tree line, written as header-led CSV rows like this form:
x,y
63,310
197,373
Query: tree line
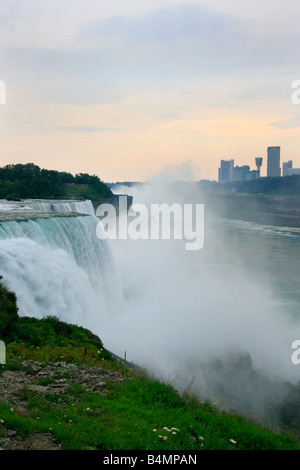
x,y
26,181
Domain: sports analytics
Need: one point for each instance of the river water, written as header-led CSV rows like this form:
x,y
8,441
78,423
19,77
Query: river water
x,y
270,251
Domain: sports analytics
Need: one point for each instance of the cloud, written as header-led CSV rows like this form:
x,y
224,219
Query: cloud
x,y
116,56
289,124
87,129
189,38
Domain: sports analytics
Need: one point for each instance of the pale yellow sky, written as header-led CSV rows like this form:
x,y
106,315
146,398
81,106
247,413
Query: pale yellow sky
x,y
124,92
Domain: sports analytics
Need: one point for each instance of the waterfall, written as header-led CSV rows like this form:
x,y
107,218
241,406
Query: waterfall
x,y
82,207
58,266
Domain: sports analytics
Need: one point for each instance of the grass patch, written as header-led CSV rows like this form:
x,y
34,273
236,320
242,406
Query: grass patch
x,y
139,414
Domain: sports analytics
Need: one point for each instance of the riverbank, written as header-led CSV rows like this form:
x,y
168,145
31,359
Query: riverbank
x,y
275,210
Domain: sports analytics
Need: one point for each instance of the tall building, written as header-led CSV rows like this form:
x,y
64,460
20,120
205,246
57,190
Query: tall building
x,y
258,163
273,165
239,172
286,166
226,171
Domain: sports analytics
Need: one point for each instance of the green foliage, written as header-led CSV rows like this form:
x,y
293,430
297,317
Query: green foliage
x,y
8,311
91,191
50,339
131,416
47,339
51,332
29,181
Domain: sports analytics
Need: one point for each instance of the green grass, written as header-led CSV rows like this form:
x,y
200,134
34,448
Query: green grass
x,y
50,340
139,414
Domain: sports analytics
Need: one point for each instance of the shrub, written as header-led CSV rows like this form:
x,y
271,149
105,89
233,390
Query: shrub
x,y
8,310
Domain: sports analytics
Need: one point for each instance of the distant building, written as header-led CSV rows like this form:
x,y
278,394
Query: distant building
x,y
226,171
286,166
273,165
229,173
258,163
293,171
239,172
252,175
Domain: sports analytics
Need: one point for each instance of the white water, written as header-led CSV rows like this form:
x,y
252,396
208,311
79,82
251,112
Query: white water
x,y
167,308
82,207
58,266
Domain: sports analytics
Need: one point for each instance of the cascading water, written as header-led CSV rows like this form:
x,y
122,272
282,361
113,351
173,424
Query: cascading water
x,y
58,266
82,207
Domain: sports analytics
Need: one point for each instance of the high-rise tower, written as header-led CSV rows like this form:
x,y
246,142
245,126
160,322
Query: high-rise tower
x,y
226,171
273,166
258,163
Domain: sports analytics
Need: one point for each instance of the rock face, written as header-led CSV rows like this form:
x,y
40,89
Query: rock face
x,y
54,378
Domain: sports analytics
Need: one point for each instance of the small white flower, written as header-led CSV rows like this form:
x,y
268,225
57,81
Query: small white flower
x,y
201,438
232,441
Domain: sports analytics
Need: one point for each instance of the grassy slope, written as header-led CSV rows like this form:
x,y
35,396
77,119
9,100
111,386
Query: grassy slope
x,y
140,413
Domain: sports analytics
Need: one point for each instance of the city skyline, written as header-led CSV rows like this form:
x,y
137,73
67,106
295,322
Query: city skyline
x,y
228,172
126,90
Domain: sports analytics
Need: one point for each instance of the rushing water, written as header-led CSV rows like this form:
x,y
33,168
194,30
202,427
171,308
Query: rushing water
x,y
171,310
82,207
58,266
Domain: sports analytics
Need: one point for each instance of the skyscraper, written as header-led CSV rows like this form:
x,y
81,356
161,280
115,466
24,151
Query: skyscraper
x,y
286,166
226,171
273,165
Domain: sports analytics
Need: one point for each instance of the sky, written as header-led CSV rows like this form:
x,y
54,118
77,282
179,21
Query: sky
x,y
125,89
